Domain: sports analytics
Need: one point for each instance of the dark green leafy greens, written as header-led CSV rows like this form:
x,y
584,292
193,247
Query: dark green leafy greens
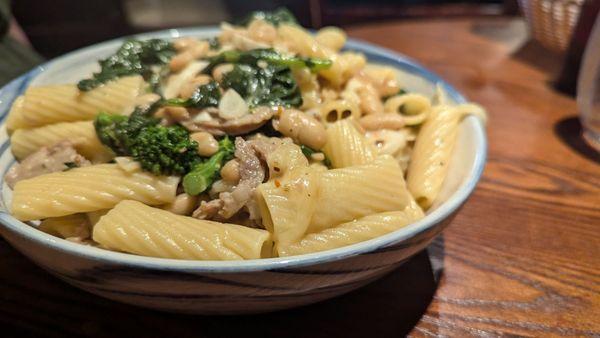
x,y
263,77
268,55
204,174
207,95
276,17
145,58
70,165
268,86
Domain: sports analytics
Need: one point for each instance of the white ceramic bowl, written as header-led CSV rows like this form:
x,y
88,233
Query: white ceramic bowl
x,y
215,287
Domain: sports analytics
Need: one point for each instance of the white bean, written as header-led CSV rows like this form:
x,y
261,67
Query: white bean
x,y
302,128
183,204
207,144
220,70
231,171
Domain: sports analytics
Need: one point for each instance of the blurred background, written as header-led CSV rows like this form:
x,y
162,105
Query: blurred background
x,y
55,27
45,29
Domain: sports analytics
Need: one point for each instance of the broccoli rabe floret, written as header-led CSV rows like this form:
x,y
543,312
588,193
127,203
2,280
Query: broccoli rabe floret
x,y
161,150
204,174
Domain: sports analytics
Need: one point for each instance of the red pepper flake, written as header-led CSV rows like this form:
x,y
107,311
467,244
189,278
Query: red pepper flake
x,y
277,183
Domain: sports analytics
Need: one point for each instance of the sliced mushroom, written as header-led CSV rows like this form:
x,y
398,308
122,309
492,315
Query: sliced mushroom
x,y
243,125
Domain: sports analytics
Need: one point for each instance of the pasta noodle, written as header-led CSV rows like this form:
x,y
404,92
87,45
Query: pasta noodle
x,y
352,232
413,107
81,134
346,146
86,189
353,192
433,148
285,204
139,229
64,103
331,37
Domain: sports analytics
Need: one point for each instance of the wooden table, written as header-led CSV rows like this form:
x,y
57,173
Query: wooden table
x,y
521,258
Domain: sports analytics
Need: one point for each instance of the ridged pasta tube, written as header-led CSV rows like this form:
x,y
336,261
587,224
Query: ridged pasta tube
x,y
353,192
432,151
346,146
65,103
81,134
365,228
139,229
287,204
87,189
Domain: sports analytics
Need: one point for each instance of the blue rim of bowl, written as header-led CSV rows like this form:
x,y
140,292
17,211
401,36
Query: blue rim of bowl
x,y
10,91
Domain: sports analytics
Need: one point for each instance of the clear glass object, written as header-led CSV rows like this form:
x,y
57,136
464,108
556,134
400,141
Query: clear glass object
x,y
588,89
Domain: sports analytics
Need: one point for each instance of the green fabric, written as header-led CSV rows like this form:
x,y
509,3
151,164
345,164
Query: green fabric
x,y
15,59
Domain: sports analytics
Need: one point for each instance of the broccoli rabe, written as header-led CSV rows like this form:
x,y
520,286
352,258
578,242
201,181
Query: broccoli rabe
x,y
204,174
263,77
207,95
268,55
133,57
161,150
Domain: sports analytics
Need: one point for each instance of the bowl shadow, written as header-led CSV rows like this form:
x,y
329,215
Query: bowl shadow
x,y
36,304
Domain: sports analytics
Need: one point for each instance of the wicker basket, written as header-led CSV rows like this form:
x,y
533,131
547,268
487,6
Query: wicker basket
x,y
552,21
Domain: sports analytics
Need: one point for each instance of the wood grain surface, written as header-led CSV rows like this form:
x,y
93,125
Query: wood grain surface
x,y
521,258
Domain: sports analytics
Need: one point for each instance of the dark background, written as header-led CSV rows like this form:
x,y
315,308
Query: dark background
x,y
58,26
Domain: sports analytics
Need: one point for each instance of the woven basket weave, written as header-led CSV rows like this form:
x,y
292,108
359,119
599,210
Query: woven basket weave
x,y
552,21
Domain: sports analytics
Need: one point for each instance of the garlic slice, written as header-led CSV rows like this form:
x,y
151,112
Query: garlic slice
x,y
232,105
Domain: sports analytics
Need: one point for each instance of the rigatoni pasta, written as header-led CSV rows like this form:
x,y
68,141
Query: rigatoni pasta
x,y
87,189
81,134
137,228
65,103
264,141
362,229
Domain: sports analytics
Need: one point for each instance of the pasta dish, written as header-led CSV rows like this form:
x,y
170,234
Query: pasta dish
x,y
264,141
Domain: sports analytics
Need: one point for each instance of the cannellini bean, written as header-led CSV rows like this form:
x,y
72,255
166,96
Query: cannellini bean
x,y
177,113
220,70
302,128
199,49
231,171
207,145
183,204
189,88
369,100
382,121
183,43
179,61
